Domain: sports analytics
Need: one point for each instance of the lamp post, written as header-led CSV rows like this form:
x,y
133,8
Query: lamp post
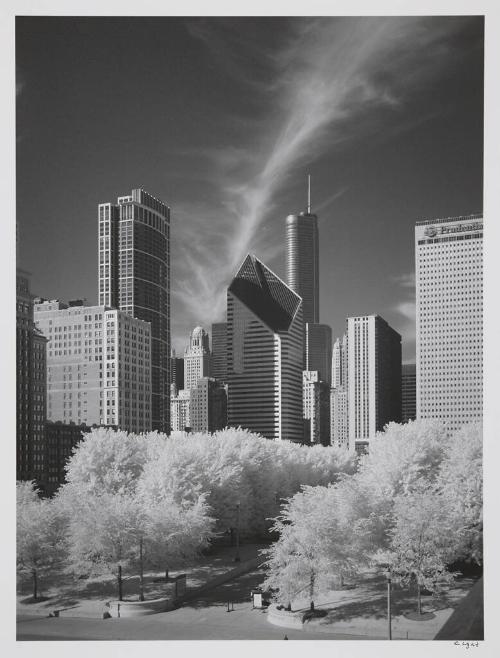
x,y
388,575
237,556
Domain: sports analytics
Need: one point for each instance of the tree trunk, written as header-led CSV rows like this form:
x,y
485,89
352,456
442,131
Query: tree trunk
x,y
311,590
120,588
35,585
141,579
419,599
341,580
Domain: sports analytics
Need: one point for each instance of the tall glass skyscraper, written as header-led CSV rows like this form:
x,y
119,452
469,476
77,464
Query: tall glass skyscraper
x,y
264,348
134,276
302,261
219,351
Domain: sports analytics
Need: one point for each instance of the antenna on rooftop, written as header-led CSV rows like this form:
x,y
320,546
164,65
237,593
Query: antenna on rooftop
x,y
308,194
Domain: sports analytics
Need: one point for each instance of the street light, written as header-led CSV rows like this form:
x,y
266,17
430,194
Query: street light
x,y
237,556
388,575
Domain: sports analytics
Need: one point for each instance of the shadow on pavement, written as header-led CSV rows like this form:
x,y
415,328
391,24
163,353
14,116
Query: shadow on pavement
x,y
235,591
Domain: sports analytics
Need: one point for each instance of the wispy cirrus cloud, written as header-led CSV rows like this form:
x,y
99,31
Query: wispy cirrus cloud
x,y
325,82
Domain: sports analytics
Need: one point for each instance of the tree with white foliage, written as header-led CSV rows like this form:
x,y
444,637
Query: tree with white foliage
x,y
423,540
41,534
109,460
461,484
319,540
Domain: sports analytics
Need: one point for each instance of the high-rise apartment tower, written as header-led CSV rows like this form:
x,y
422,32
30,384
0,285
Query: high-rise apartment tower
x,y
134,276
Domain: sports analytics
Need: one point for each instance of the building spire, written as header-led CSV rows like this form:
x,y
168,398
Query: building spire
x,y
308,194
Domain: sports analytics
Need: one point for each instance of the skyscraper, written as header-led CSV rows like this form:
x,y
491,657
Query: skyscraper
x,y
373,378
196,358
264,343
338,400
180,409
31,385
318,350
208,406
98,366
176,370
316,408
219,351
302,260
408,392
134,276
449,319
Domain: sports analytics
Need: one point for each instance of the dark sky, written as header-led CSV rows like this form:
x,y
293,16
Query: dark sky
x,y
223,119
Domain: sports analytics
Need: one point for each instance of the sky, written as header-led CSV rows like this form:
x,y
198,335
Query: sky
x,y
223,119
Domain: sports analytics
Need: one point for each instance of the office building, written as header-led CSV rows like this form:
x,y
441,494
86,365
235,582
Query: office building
x,y
338,399
373,378
31,385
315,408
219,351
302,260
318,350
408,392
449,319
264,346
196,358
180,409
176,370
134,276
98,366
60,439
208,407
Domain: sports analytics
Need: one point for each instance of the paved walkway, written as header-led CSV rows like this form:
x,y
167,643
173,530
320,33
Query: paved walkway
x,y
204,618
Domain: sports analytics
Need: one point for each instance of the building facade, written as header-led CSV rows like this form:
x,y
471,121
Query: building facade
x,y
31,386
302,261
338,400
134,276
208,408
180,409
264,343
315,408
408,392
176,370
449,319
373,378
98,366
219,351
60,439
318,350
196,358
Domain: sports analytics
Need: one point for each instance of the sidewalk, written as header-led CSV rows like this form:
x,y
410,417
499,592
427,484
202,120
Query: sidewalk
x,y
362,610
87,598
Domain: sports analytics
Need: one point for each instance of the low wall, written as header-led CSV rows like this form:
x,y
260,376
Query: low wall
x,y
284,618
